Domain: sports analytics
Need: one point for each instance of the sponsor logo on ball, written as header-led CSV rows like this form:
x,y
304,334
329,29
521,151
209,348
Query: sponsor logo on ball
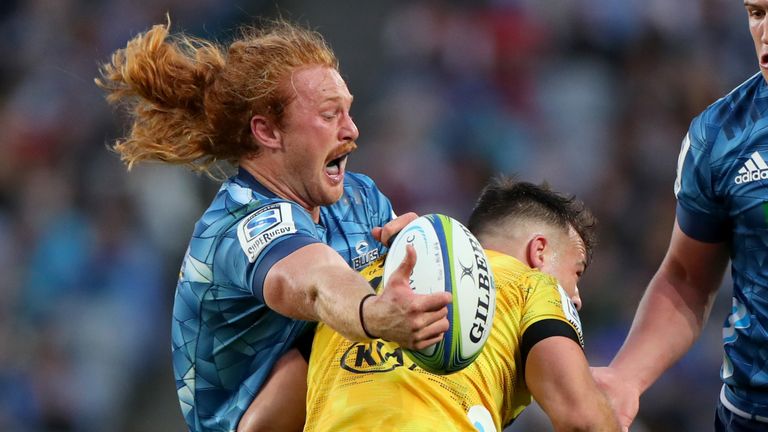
x,y
480,324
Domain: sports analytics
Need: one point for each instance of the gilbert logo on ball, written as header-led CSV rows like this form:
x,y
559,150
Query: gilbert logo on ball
x,y
448,258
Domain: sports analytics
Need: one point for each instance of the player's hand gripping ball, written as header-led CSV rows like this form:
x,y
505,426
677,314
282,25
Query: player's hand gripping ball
x,y
448,258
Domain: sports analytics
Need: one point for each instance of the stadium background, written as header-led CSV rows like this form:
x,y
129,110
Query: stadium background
x,y
593,96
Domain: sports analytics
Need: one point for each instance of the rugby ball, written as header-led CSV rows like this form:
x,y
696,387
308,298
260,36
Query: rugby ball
x,y
448,258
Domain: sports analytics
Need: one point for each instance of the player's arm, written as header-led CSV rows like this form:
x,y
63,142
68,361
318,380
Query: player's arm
x,y
668,321
280,405
558,376
314,283
281,402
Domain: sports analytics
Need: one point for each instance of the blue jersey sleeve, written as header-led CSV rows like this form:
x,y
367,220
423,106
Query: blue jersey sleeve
x,y
699,212
260,240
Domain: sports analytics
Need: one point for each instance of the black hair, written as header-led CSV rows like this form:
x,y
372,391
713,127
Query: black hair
x,y
505,198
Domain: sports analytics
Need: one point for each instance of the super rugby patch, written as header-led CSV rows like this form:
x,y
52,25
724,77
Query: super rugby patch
x,y
261,227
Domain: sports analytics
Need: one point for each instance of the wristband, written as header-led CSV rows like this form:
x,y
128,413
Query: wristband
x,y
362,322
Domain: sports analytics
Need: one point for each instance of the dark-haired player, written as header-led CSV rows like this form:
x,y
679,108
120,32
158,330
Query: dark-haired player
x,y
534,238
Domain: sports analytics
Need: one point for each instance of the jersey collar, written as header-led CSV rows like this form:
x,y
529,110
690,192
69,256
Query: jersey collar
x,y
245,178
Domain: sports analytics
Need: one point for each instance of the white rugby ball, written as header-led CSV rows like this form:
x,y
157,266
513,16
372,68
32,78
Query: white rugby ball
x,y
448,258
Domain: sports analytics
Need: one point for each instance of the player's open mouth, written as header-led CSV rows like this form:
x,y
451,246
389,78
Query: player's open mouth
x,y
335,167
764,61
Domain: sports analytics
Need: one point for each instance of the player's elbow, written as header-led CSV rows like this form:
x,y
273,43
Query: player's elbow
x,y
290,296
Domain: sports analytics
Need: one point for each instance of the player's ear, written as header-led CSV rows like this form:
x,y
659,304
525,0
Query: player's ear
x,y
535,251
266,132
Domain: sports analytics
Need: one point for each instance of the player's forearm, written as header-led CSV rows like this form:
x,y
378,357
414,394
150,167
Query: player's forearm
x,y
315,284
669,319
557,374
337,302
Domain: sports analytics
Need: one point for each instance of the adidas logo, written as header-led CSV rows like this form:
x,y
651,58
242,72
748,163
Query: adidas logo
x,y
754,169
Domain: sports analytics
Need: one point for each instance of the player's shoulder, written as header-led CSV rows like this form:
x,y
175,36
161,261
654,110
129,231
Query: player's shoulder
x,y
359,181
238,201
508,271
359,189
735,108
241,198
231,203
536,280
505,265
535,283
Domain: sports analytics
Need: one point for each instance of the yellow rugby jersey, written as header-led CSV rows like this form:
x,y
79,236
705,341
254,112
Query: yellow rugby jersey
x,y
374,385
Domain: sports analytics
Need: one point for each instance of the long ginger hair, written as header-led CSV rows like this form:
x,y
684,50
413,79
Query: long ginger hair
x,y
190,101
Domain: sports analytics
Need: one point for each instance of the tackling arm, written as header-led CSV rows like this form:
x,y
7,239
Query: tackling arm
x,y
280,404
668,321
315,284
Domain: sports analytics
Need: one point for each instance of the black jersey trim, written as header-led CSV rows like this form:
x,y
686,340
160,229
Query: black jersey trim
x,y
543,329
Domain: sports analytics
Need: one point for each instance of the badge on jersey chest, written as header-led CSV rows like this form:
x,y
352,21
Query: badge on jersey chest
x,y
364,255
264,225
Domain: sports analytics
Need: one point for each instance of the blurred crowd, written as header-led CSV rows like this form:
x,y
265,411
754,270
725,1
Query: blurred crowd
x,y
592,96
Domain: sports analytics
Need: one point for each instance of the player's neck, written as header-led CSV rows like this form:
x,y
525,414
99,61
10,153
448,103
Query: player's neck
x,y
268,177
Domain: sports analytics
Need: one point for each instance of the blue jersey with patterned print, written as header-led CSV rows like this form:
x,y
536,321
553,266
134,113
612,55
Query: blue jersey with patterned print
x,y
722,196
225,339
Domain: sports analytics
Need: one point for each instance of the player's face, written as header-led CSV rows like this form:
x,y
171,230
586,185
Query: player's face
x,y
567,262
318,135
758,28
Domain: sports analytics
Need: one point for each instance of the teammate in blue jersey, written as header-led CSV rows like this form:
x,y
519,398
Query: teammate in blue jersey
x,y
280,244
722,214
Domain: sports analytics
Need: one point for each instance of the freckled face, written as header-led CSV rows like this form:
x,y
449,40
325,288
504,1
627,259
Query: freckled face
x,y
318,135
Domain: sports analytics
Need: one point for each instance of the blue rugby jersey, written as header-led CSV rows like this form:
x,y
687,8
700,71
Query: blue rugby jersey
x,y
722,194
225,339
